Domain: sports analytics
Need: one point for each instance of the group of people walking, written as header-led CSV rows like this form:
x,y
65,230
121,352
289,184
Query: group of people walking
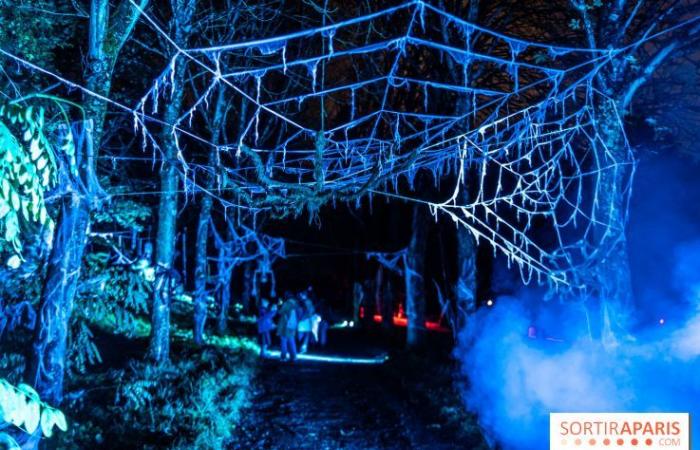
x,y
297,323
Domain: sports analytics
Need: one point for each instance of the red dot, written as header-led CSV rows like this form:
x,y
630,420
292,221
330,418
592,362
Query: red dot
x,y
620,441
648,441
606,441
635,442
591,442
577,442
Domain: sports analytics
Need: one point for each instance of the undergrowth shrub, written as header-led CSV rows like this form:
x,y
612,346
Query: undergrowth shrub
x,y
194,402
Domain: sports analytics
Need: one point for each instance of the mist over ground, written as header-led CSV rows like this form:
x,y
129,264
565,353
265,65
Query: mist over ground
x,y
525,357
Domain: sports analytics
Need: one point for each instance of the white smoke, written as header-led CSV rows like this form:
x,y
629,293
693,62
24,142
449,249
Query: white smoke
x,y
515,381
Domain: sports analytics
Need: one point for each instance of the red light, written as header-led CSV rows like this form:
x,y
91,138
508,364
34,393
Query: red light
x,y
403,322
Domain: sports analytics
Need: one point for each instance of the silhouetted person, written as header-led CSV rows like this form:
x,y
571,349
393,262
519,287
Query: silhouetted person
x,y
308,322
287,328
265,325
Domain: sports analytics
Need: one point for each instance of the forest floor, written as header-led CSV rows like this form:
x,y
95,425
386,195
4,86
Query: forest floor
x,y
223,396
408,402
191,402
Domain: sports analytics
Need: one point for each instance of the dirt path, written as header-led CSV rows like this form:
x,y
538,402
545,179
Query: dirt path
x,y
327,406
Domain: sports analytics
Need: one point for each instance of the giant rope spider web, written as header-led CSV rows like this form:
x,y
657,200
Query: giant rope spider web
x,y
351,109
348,109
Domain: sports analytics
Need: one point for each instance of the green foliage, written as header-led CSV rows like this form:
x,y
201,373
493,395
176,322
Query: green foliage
x,y
27,170
34,29
193,402
113,297
199,401
117,295
22,407
122,213
113,293
217,400
83,350
23,283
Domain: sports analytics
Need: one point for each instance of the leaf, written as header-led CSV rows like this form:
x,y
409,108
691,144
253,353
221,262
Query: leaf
x,y
41,163
47,422
7,397
28,391
15,200
32,414
4,209
35,149
11,227
25,209
17,413
60,420
14,262
28,114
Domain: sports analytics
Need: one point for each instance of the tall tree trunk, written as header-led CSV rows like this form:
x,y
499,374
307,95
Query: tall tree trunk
x,y
200,270
378,286
159,347
387,302
48,360
225,278
63,273
415,284
612,272
248,285
226,268
465,287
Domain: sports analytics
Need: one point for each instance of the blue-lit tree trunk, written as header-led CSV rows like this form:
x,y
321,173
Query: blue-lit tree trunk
x,y
225,277
413,273
612,273
63,273
200,271
248,288
47,365
465,286
387,300
606,27
612,276
47,362
378,295
159,347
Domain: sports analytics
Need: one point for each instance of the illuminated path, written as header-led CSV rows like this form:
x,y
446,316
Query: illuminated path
x,y
332,359
332,404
